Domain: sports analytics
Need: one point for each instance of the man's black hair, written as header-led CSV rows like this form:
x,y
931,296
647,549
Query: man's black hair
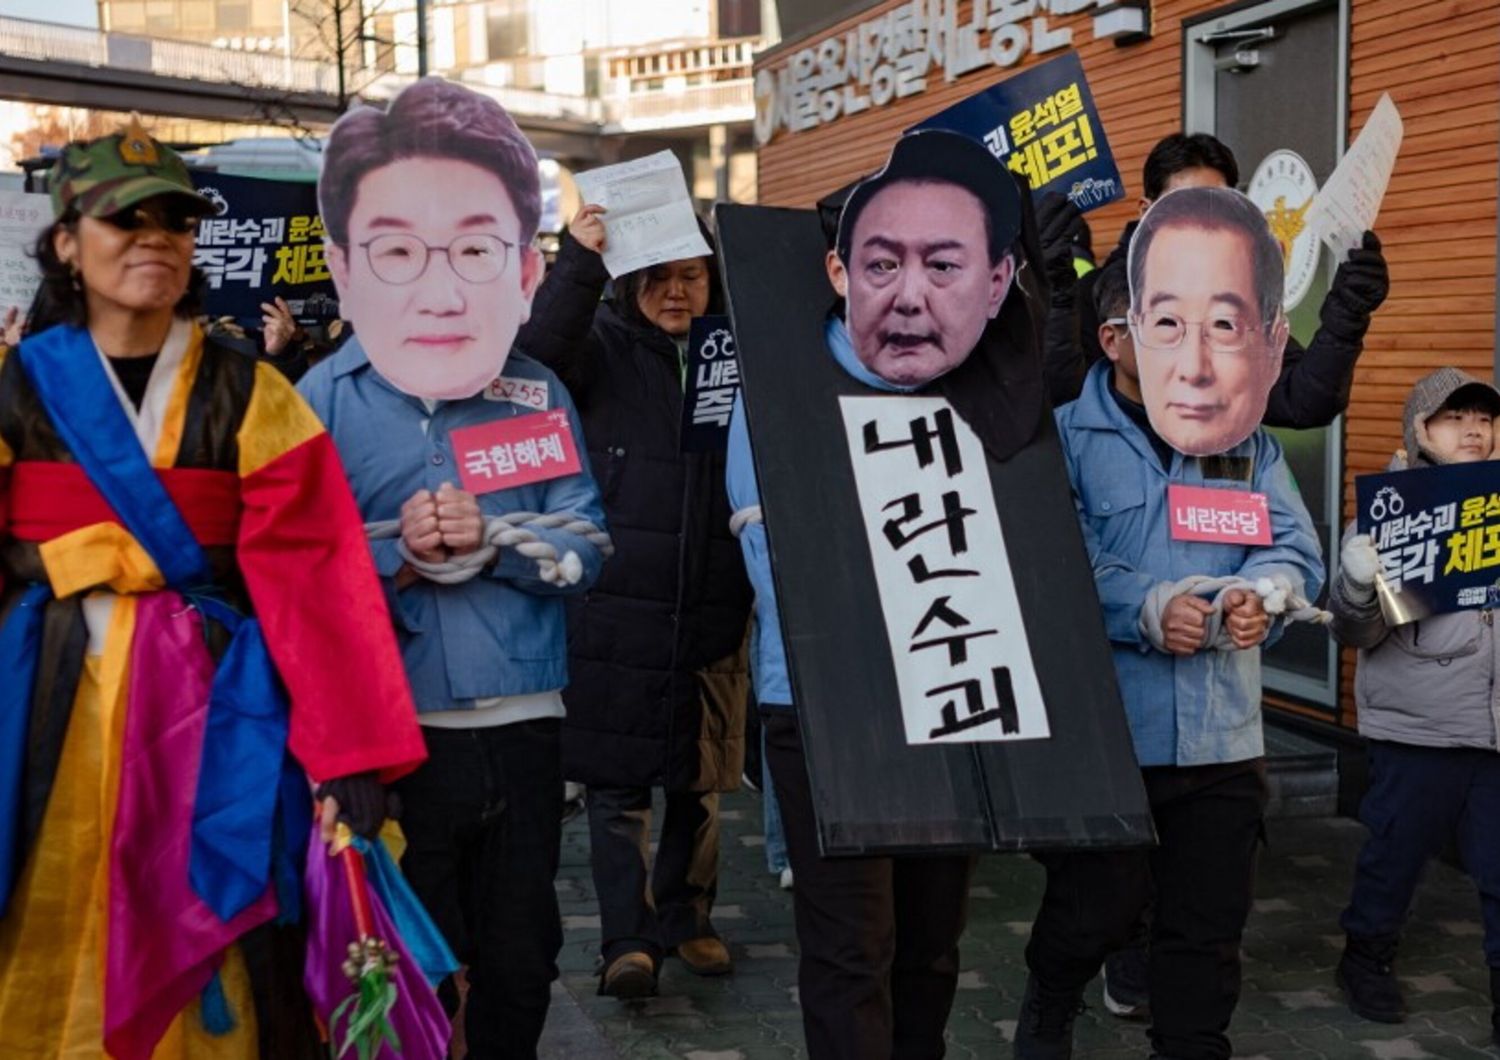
x,y
1112,291
1182,151
941,156
1471,398
1214,209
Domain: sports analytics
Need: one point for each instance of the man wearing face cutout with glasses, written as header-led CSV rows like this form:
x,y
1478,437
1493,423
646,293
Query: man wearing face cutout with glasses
x,y
1176,406
431,207
1207,320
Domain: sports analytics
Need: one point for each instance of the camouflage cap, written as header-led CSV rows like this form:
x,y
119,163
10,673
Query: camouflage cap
x,y
104,176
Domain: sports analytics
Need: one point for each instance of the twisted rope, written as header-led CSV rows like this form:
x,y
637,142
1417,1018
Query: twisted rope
x,y
517,531
1276,594
743,518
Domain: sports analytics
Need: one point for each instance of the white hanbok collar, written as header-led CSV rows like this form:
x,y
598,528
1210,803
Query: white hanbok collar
x,y
150,419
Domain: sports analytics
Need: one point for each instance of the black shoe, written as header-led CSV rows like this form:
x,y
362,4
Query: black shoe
x,y
1368,981
1125,991
1045,1029
629,977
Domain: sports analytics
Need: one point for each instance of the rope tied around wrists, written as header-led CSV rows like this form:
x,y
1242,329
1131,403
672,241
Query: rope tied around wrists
x,y
515,530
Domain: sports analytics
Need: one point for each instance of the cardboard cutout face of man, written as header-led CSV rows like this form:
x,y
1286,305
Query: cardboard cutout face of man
x,y
923,260
431,208
1206,316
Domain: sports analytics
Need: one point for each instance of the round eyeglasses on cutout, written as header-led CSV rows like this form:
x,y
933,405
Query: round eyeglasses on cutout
x,y
1165,331
400,258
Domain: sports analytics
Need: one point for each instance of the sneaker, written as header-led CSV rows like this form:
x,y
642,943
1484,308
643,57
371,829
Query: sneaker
x,y
629,977
1125,991
786,878
706,956
1368,981
1045,1029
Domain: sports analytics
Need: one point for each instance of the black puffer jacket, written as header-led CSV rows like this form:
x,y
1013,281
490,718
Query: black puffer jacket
x,y
674,600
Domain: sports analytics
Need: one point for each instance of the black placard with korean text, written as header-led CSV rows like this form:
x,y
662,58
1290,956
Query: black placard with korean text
x,y
1437,530
1043,123
711,379
266,241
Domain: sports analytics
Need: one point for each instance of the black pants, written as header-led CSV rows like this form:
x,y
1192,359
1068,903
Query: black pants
x,y
1208,821
483,823
644,908
879,936
1419,799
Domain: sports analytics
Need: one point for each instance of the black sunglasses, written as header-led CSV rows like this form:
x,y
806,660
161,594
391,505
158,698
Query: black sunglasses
x,y
178,220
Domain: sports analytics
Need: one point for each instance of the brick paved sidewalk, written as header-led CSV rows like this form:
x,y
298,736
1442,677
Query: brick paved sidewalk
x,y
1290,1009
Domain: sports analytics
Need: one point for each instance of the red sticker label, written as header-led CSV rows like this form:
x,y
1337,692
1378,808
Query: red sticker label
x,y
515,452
1222,517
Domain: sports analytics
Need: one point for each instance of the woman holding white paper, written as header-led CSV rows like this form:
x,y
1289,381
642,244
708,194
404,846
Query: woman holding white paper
x,y
656,655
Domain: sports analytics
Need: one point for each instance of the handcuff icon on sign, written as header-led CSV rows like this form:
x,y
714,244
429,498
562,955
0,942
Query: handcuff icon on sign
x,y
1387,503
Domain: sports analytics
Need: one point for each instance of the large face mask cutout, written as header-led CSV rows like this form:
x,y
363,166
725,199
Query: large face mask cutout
x,y
437,272
1206,316
922,258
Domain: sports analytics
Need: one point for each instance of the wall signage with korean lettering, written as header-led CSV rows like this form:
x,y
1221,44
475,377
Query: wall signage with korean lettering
x,y
899,54
1437,530
710,383
1042,123
962,659
266,241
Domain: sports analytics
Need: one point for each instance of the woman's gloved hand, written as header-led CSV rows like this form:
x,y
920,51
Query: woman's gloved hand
x,y
359,800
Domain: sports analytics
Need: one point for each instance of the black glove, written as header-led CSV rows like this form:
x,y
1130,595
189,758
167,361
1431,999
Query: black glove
x,y
362,802
1058,222
1361,283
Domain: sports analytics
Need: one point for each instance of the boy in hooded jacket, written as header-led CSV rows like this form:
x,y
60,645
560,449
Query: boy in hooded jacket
x,y
1426,697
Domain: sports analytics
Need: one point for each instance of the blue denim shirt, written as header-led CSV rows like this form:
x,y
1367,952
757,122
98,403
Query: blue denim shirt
x,y
1205,707
768,665
502,633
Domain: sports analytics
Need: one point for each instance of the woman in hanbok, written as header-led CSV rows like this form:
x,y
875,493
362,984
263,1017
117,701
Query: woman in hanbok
x,y
192,630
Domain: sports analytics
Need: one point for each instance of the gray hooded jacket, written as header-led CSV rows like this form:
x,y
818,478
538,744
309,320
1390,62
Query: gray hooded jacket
x,y
1429,682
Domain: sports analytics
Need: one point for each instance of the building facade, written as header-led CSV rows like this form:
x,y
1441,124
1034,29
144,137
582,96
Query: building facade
x,y
591,81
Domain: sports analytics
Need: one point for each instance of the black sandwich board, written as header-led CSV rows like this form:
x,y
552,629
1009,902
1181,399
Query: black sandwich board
x,y
874,792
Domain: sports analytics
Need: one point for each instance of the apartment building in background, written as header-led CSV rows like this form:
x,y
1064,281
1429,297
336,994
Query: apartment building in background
x,y
591,80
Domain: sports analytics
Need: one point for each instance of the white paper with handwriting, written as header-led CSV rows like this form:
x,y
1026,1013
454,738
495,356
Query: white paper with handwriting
x,y
1351,197
650,216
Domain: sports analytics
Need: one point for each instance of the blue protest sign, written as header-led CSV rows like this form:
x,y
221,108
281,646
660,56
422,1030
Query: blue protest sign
x,y
1043,123
1437,531
710,383
266,240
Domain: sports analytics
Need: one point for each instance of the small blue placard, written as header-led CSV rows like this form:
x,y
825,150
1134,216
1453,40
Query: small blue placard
x,y
1043,123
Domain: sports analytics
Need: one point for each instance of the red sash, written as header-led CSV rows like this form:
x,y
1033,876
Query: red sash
x,y
48,500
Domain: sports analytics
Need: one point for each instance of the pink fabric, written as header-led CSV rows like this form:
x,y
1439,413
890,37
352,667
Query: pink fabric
x,y
164,943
